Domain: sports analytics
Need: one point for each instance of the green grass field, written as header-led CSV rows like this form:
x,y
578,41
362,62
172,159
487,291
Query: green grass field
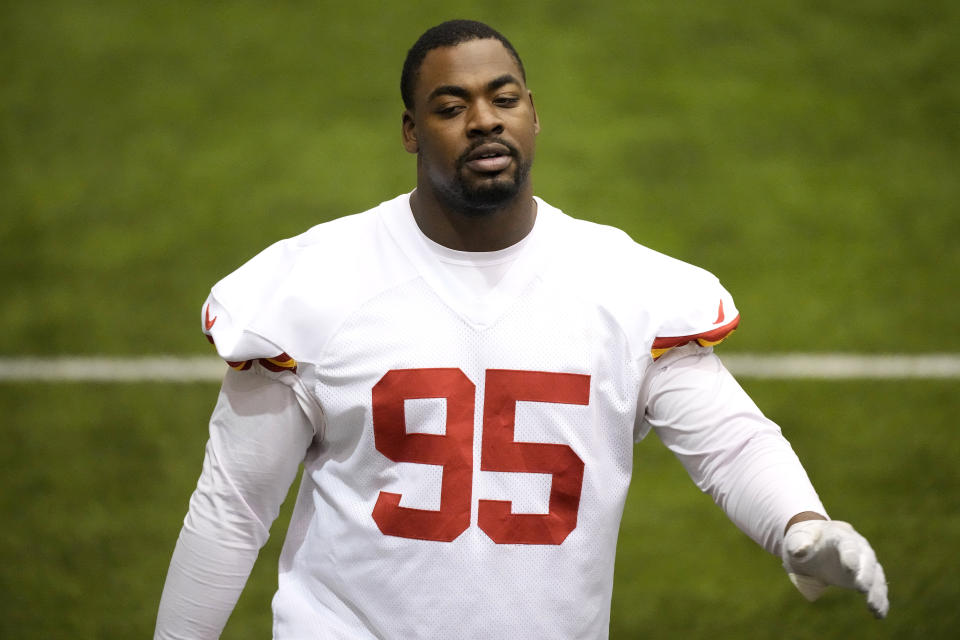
x,y
805,151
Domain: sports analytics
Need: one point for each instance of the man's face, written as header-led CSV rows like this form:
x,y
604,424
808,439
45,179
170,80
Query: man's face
x,y
472,126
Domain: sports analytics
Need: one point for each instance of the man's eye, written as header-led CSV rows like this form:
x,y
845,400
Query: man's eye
x,y
450,110
507,101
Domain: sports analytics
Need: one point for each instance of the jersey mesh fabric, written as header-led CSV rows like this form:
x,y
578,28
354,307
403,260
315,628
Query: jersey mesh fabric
x,y
581,300
341,566
344,561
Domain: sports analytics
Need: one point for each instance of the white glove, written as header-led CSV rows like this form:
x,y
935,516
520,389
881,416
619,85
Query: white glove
x,y
818,553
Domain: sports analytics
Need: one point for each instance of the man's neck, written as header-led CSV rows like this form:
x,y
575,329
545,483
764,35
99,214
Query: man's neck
x,y
468,231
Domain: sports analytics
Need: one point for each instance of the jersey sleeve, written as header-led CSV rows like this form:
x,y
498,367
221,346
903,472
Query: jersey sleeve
x,y
242,314
241,349
698,309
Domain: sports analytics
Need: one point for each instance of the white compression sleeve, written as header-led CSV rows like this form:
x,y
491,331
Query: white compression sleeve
x,y
729,448
258,437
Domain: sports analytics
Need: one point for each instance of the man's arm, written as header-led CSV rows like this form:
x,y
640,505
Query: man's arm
x,y
258,438
738,456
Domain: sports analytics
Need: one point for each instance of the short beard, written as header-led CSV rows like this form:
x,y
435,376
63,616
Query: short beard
x,y
474,200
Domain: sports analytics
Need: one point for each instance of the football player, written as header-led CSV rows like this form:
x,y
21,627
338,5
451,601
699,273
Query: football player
x,y
463,372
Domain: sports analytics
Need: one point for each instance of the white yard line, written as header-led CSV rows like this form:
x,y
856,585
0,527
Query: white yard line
x,y
112,369
836,366
817,366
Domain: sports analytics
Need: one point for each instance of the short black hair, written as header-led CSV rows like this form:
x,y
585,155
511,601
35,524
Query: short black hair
x,y
447,34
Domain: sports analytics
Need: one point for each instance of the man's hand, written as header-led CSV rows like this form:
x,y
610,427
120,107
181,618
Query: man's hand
x,y
819,553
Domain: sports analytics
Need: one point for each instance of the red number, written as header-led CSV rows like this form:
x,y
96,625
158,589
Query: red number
x,y
499,452
454,451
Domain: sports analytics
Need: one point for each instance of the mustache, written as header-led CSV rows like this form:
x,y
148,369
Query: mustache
x,y
462,160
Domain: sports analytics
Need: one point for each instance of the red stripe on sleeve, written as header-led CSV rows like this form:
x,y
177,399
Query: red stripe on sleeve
x,y
714,335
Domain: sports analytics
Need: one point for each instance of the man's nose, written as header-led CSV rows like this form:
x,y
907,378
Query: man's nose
x,y
484,120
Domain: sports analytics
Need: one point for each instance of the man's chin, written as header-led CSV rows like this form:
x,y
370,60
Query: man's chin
x,y
489,197
488,192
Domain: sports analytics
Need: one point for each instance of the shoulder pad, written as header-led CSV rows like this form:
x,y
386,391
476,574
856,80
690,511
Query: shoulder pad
x,y
236,302
216,321
701,311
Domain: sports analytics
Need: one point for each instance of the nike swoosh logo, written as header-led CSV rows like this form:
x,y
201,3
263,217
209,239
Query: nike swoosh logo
x,y
719,319
207,321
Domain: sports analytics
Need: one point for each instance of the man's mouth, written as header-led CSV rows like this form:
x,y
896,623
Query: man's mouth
x,y
491,157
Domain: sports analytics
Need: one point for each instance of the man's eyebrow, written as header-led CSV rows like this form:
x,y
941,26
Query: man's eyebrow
x,y
459,92
503,80
449,90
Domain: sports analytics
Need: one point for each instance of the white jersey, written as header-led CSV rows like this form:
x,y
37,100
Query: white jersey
x,y
471,445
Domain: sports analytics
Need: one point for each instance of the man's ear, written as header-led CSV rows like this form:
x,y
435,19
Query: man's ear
x,y
536,118
409,132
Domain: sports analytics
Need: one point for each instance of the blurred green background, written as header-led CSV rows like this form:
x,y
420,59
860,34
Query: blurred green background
x,y
804,151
